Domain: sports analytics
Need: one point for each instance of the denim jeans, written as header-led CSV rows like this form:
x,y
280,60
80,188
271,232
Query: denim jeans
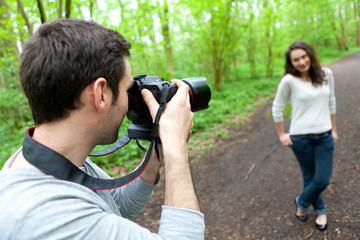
x,y
314,153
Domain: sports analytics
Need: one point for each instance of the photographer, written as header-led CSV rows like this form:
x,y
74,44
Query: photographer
x,y
76,75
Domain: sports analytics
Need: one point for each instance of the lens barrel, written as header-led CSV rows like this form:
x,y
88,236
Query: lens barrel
x,y
200,93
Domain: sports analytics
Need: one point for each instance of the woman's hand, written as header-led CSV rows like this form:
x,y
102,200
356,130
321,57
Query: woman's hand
x,y
285,139
335,135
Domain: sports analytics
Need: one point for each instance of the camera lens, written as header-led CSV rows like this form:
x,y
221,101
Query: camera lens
x,y
200,93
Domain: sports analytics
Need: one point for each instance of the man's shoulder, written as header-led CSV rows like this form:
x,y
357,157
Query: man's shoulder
x,y
28,198
25,189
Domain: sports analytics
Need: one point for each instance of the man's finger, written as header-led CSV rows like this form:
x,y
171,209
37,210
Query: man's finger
x,y
150,101
183,88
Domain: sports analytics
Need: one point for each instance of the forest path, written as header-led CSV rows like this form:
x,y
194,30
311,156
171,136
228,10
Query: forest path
x,y
247,183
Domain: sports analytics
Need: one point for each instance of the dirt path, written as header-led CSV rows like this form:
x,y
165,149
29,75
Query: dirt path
x,y
246,185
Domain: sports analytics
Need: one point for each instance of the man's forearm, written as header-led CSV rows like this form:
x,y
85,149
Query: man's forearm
x,y
179,187
151,173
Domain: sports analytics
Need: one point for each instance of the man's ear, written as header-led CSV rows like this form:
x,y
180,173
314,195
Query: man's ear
x,y
102,94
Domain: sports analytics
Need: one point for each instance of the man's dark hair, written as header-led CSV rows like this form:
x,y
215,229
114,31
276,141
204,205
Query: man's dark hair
x,y
315,71
62,58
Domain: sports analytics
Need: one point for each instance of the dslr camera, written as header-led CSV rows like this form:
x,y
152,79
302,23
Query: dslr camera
x,y
139,114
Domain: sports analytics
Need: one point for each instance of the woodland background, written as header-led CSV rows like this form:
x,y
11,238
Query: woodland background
x,y
238,46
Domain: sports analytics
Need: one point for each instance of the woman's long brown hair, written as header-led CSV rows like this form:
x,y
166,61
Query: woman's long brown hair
x,y
316,73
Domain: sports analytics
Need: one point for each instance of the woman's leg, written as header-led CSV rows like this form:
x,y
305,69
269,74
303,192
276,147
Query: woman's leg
x,y
304,154
323,148
324,152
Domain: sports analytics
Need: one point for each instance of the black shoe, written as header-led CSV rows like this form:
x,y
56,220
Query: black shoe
x,y
322,227
302,218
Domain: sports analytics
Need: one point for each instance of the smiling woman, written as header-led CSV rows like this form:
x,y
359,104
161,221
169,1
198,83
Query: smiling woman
x,y
312,134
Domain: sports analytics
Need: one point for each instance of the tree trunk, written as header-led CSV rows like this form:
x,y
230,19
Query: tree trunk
x,y
2,81
251,58
357,21
67,8
216,54
42,12
343,31
167,39
338,40
91,8
250,48
268,38
59,9
217,68
23,14
9,41
269,64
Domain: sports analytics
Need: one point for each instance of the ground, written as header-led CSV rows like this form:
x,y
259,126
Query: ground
x,y
247,183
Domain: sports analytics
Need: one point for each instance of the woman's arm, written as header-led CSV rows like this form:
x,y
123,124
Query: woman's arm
x,y
284,137
333,123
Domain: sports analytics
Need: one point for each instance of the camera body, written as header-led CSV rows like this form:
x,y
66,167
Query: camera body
x,y
138,112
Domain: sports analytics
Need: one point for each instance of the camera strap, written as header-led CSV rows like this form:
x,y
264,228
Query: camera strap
x,y
53,163
155,125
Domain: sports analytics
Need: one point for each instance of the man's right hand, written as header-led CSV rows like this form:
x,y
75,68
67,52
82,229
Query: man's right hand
x,y
174,130
176,121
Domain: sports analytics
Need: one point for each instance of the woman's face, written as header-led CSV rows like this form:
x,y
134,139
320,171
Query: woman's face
x,y
300,60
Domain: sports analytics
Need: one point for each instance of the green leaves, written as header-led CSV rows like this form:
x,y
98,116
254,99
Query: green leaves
x,y
237,45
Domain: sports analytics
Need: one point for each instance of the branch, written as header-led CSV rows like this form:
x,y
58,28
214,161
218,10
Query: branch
x,y
26,19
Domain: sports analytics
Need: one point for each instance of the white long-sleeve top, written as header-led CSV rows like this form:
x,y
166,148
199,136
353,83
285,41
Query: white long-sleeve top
x,y
311,106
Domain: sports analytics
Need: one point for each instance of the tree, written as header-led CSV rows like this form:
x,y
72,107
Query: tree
x,y
25,17
164,18
68,8
356,6
41,10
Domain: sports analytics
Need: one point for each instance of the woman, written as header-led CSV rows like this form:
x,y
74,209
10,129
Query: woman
x,y
310,89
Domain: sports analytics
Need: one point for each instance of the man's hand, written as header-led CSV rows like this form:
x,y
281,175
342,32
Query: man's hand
x,y
176,121
174,130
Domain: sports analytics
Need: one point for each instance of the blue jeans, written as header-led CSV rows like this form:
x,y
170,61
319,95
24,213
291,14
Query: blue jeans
x,y
314,153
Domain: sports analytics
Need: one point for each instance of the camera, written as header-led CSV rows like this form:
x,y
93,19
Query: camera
x,y
138,112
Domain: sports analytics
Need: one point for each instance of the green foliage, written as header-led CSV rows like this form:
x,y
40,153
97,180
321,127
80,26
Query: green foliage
x,y
239,44
128,156
15,117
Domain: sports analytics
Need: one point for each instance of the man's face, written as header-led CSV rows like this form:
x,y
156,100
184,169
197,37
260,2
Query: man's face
x,y
118,109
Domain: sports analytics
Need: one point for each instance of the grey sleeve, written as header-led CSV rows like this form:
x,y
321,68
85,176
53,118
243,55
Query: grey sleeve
x,y
130,199
77,219
180,223
175,223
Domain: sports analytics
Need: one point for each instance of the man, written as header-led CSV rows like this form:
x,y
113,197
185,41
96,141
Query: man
x,y
75,75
